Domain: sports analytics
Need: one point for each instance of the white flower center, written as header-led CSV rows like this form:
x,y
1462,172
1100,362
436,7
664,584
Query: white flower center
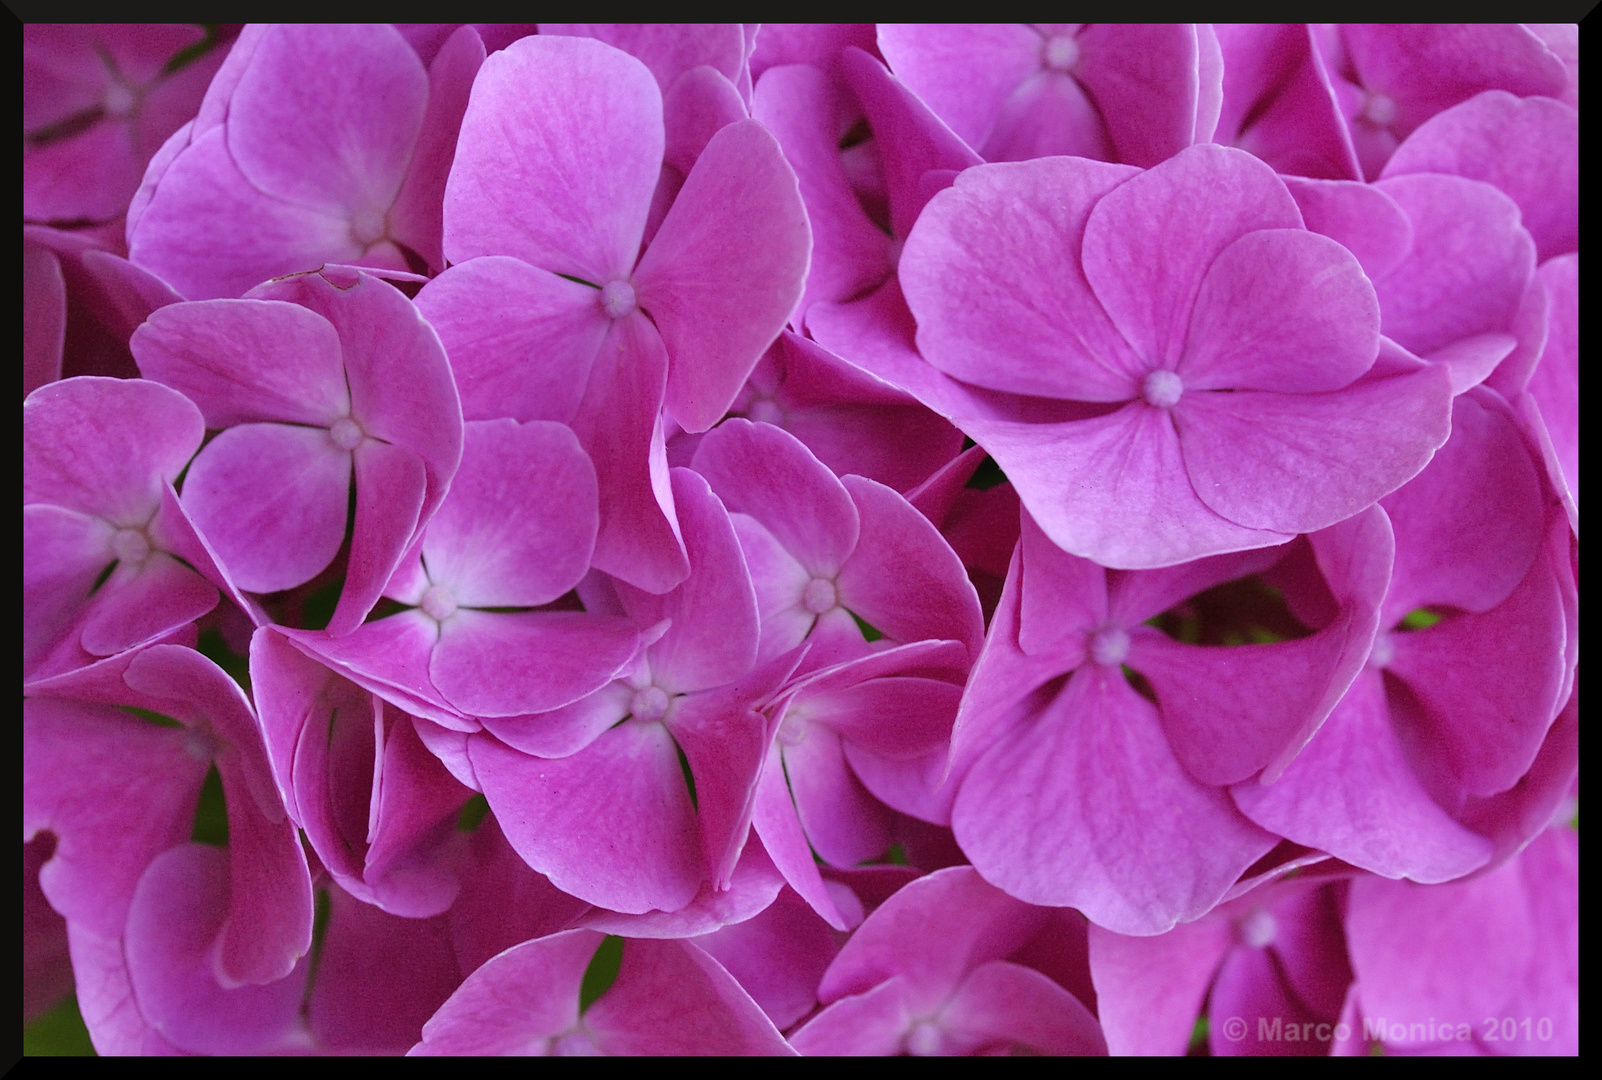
x,y
1379,110
1258,929
617,298
649,703
438,603
819,596
1060,53
368,227
1383,651
131,546
1162,389
925,1039
1110,646
346,433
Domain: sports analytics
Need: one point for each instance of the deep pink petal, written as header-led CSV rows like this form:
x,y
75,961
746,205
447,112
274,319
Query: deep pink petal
x,y
964,72
528,993
1353,793
696,106
567,730
558,157
244,361
671,998
1365,220
502,901
63,555
1114,489
271,500
1468,268
991,276
1048,115
725,271
1301,462
874,1022
141,604
903,578
104,446
763,471
391,490
779,826
1016,1006
1149,990
521,340
620,426
44,316
1148,245
390,657
1145,80
777,957
509,664
668,49
1555,382
845,825
1066,600
918,787
625,787
1045,813
896,716
751,889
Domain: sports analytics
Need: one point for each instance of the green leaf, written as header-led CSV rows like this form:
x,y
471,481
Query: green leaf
x,y
602,972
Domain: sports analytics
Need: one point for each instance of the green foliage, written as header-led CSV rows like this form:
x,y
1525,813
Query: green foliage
x,y
472,813
58,1033
211,814
602,972
869,631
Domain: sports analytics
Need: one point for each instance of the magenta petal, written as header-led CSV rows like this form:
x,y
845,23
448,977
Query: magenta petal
x,y
390,657
391,485
1303,462
750,890
698,104
845,825
1365,220
1469,266
620,426
1529,149
1149,243
764,471
141,604
1149,990
779,582
1281,309
777,823
1469,526
777,957
898,717
414,839
271,500
508,664
871,1023
521,340
115,791
244,361
725,271
104,446
44,316
1146,80
1135,597
558,157
1066,600
626,786
799,103
1114,489
990,274
671,998
964,72
567,730
63,554
181,904
1018,1006
1352,793
528,993
668,49
494,545
1555,382
1048,115
1045,811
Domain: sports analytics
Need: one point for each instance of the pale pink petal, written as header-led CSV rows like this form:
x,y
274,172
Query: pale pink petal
x,y
779,582
390,657
1352,793
1066,600
1147,245
750,890
271,500
143,603
517,1001
1019,1007
415,845
964,72
558,157
626,786
244,361
1303,462
725,271
1149,990
874,1022
509,664
990,275
1365,220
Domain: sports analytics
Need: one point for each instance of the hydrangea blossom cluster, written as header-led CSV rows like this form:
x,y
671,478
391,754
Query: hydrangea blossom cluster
x,y
801,539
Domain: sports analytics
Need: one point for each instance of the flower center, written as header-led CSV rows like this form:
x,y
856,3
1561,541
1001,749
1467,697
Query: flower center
x,y
617,298
1257,929
649,704
574,1044
346,433
765,411
1060,53
368,227
793,731
438,603
818,596
1110,646
925,1039
119,100
1379,110
131,546
1162,389
1383,651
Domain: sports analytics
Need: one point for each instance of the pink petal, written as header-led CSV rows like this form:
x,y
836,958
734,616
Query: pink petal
x,y
528,992
567,730
493,546
391,486
903,578
415,219
1066,600
777,957
521,340
1045,814
989,274
390,657
1278,102
44,317
1365,220
1020,1007
1148,245
779,582
508,664
763,471
180,906
626,787
104,446
138,605
668,49
845,825
1469,266
620,426
1048,115
917,787
697,105
63,555
1285,310
1555,382
502,901
725,270
1303,462
750,890
244,361
1149,990
1145,80
271,499
964,72
671,998
567,185
899,717
779,826
724,740
871,1023
1113,489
